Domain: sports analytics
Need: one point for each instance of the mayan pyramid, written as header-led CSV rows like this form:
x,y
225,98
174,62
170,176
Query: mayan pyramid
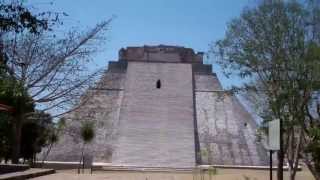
x,y
160,106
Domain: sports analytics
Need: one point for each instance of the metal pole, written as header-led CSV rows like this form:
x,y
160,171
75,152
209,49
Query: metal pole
x,y
270,164
280,153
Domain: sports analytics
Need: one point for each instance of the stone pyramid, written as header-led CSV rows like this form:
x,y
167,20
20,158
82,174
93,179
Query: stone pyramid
x,y
160,106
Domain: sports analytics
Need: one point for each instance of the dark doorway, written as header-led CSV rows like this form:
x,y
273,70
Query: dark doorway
x,y
158,84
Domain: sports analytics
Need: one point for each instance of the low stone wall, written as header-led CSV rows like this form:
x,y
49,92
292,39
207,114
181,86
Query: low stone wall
x,y
27,174
9,168
56,165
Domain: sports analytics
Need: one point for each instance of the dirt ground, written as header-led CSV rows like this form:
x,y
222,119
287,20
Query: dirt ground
x,y
222,174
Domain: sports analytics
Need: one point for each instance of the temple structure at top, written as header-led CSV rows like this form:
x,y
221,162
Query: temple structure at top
x,y
161,106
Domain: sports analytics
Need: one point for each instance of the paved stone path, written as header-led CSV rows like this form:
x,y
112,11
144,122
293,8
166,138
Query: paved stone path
x,y
118,176
223,174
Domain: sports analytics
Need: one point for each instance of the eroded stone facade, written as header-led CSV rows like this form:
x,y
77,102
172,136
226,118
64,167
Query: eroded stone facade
x,y
185,121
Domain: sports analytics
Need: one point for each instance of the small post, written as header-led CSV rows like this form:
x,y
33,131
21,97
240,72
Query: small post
x,y
270,164
79,166
83,165
274,136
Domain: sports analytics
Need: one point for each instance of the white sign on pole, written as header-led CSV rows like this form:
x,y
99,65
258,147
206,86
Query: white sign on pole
x,y
274,135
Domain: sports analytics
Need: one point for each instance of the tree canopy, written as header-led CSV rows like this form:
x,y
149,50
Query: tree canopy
x,y
40,70
276,47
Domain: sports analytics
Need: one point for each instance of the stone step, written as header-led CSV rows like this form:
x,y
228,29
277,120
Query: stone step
x,y
140,168
30,173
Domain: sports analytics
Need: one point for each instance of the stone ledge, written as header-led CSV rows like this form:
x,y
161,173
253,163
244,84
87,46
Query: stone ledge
x,y
244,167
31,173
9,168
147,169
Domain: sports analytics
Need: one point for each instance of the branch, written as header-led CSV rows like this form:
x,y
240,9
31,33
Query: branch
x,y
57,61
72,109
65,91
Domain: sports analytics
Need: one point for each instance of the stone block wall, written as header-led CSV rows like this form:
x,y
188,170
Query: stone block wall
x,y
156,124
161,53
207,83
226,130
102,106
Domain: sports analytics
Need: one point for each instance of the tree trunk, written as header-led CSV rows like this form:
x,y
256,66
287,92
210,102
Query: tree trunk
x,y
290,155
81,158
209,153
46,155
16,144
292,175
280,154
294,149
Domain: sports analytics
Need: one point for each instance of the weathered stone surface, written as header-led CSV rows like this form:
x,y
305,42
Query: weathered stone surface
x,y
138,124
227,131
207,83
156,125
103,108
161,53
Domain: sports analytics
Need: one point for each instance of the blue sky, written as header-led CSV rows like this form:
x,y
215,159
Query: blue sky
x,y
189,23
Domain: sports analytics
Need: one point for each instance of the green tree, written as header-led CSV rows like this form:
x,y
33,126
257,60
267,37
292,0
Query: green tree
x,y
36,133
41,69
87,134
312,150
15,95
5,136
275,47
15,18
